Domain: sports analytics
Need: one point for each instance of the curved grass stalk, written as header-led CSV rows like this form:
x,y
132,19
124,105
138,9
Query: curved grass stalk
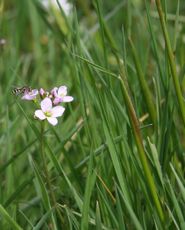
x,y
171,60
137,135
144,87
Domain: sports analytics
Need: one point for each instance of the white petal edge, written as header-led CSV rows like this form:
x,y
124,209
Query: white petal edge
x,y
67,99
52,120
57,111
62,90
39,114
46,104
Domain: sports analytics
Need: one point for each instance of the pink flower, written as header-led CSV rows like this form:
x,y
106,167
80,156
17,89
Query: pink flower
x,y
60,95
30,95
53,91
42,91
48,112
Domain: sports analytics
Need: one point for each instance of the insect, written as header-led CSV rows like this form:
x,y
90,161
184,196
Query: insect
x,y
21,90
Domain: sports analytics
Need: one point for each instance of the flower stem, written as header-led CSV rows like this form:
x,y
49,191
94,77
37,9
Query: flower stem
x,y
46,172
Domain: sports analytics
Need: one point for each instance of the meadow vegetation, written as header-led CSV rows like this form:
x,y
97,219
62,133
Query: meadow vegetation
x,y
116,158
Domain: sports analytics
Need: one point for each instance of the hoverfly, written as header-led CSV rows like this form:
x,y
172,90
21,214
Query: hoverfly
x,y
21,90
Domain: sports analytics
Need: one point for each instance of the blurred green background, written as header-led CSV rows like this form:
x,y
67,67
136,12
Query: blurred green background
x,y
92,157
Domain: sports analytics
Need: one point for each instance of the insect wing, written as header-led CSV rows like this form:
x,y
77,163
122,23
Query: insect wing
x,y
16,91
22,90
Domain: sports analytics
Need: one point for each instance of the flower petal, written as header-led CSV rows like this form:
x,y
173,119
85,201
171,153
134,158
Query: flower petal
x,y
34,92
54,91
57,111
57,100
52,120
39,114
67,99
62,90
46,104
41,91
30,95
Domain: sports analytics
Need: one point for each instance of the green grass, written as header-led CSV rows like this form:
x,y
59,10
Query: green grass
x,y
116,160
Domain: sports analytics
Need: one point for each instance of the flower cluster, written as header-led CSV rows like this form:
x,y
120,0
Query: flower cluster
x,y
49,102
